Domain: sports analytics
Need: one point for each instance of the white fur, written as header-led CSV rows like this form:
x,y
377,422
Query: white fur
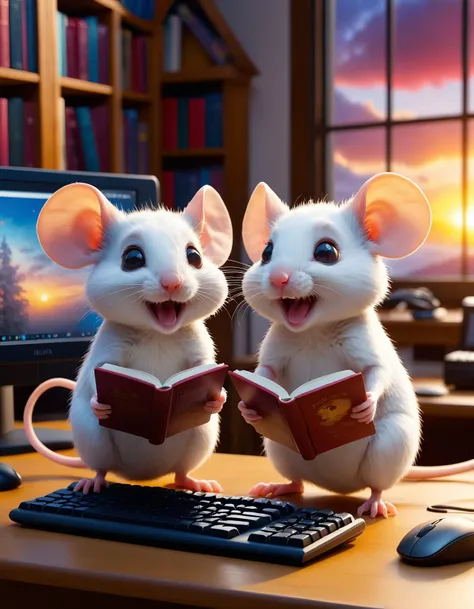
x,y
342,332
129,337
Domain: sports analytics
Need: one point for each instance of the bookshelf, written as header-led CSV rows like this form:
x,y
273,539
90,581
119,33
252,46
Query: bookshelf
x,y
140,101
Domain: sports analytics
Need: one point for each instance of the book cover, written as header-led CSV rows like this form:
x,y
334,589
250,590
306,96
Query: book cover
x,y
214,120
4,152
143,63
132,150
32,35
83,49
135,59
210,42
311,422
217,179
29,133
170,123
24,39
196,122
100,121
126,59
15,131
88,141
72,65
93,45
16,36
62,61
4,34
104,53
73,145
173,44
168,188
143,148
144,407
183,123
205,176
180,189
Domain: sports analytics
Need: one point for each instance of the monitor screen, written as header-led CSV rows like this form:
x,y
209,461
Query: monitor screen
x,y
39,300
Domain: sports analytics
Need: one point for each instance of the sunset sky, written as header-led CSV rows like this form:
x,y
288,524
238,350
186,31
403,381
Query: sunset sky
x,y
426,78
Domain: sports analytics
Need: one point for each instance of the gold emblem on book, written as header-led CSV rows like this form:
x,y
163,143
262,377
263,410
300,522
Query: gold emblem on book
x,y
333,411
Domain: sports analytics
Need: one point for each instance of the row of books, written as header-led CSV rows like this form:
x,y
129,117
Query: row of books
x,y
180,185
86,138
83,48
209,39
134,62
193,122
145,9
136,143
18,132
18,35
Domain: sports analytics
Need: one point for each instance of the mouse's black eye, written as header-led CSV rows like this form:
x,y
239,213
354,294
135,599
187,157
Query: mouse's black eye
x,y
326,252
267,253
133,258
194,257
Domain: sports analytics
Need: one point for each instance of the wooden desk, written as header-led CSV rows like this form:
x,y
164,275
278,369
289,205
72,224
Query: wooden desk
x,y
69,571
405,330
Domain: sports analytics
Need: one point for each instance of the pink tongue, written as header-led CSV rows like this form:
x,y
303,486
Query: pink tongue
x,y
166,313
298,311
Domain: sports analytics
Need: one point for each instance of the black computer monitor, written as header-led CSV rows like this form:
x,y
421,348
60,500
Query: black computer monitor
x,y
45,323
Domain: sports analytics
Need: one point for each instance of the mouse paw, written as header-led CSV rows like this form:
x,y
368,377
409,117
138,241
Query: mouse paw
x,y
376,506
96,483
101,411
215,406
205,486
365,412
249,415
274,489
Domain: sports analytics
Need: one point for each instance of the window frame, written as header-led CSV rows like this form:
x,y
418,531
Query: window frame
x,y
309,48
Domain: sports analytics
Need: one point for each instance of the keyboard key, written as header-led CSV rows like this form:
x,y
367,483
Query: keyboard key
x,y
322,531
52,507
280,539
300,541
315,535
46,499
183,525
346,518
199,527
241,525
260,536
329,526
337,521
274,513
262,502
66,510
219,530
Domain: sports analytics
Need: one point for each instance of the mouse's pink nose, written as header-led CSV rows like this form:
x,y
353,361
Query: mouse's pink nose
x,y
279,279
171,283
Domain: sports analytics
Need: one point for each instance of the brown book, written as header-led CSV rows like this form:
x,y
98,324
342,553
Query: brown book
x,y
312,419
144,407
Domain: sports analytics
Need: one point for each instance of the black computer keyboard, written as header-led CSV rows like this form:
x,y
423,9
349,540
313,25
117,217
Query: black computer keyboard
x,y
241,527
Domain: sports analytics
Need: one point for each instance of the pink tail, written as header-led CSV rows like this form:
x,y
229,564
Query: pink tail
x,y
439,471
28,423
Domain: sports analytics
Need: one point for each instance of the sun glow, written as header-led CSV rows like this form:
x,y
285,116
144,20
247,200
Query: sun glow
x,y
457,219
44,298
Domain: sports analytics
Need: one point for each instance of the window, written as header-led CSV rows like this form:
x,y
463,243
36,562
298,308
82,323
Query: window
x,y
398,81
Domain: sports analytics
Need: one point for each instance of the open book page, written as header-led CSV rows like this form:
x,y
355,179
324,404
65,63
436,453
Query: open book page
x,y
321,381
268,384
189,372
132,373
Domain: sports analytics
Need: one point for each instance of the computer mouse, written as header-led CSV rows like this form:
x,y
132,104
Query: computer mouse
x,y
439,542
9,478
433,390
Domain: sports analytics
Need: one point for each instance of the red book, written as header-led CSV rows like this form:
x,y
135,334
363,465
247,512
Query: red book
x,y
312,419
197,122
83,49
4,34
24,35
104,53
74,153
29,133
170,123
71,47
217,179
4,142
168,189
143,406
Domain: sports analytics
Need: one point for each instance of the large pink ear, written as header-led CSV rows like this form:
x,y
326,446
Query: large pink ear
x,y
394,213
263,208
210,219
72,224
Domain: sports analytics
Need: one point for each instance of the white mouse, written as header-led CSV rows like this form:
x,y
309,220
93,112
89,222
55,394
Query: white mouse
x,y
318,275
155,279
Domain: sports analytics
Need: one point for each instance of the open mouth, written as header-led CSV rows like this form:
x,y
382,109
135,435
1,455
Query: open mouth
x,y
167,313
296,310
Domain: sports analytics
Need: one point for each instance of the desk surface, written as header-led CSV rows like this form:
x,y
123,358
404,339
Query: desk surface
x,y
366,574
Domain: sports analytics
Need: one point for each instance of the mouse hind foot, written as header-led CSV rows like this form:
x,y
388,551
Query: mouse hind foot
x,y
376,506
86,484
207,486
274,489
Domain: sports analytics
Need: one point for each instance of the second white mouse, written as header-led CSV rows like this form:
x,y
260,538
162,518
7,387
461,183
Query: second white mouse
x,y
155,279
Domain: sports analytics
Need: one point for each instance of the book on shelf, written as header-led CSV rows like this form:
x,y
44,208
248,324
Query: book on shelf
x,y
172,47
193,121
312,419
145,9
87,138
83,48
134,65
18,35
143,406
209,39
18,132
135,145
179,185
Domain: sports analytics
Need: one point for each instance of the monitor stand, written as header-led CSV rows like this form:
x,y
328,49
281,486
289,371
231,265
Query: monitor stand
x,y
14,441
